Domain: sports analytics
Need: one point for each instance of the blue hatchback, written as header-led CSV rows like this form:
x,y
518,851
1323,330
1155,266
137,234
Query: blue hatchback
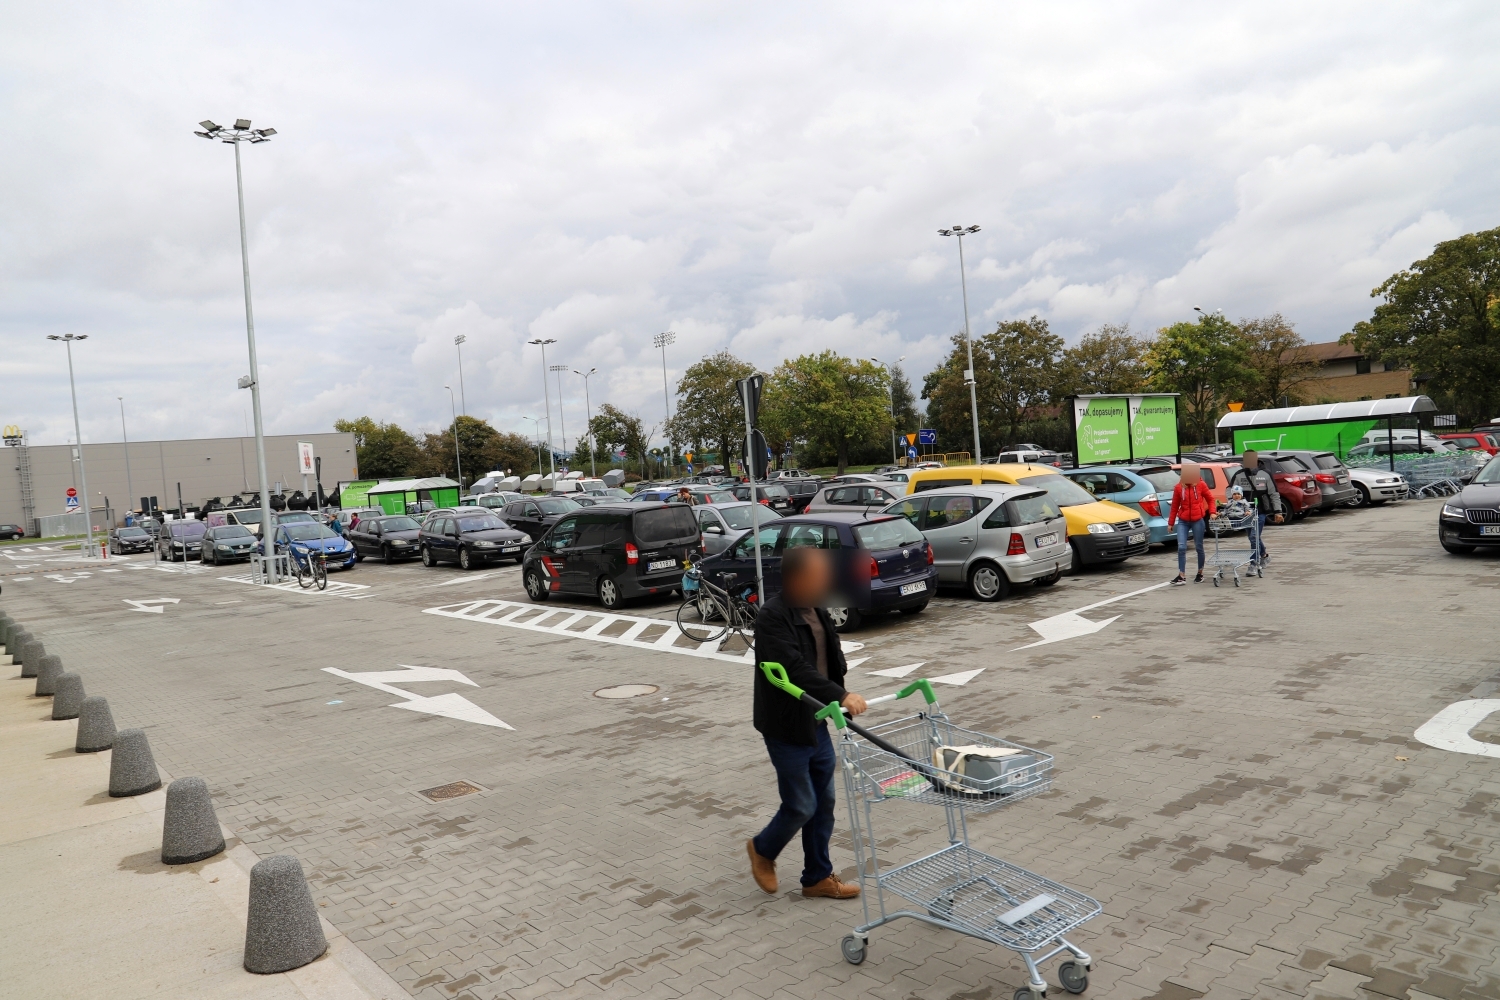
x,y
1143,488
304,538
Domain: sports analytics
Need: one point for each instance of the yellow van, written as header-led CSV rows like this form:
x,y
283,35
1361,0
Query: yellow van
x,y
1099,531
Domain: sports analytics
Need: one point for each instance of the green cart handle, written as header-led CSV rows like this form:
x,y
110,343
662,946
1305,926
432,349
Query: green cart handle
x,y
776,674
919,685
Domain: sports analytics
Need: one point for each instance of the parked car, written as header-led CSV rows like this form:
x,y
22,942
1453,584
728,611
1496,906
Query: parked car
x,y
490,501
884,563
295,517
616,552
445,511
389,537
1472,518
1428,446
606,492
865,498
654,494
1145,489
1374,487
1328,471
1026,457
121,540
151,524
1099,531
180,539
9,531
226,543
989,538
800,491
711,495
853,477
470,538
773,495
722,523
1298,489
303,539
1474,441
534,515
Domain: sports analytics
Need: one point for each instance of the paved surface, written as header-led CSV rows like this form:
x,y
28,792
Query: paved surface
x,y
1237,779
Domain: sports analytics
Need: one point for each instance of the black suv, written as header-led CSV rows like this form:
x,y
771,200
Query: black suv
x,y
181,539
615,552
534,515
391,538
469,539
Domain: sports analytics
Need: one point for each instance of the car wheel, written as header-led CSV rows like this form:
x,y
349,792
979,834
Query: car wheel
x,y
1458,550
609,593
358,555
987,582
1361,496
464,561
536,587
844,619
385,555
427,559
1076,566
205,560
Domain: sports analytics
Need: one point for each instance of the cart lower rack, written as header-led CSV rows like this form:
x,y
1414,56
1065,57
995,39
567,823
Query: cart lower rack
x,y
1227,555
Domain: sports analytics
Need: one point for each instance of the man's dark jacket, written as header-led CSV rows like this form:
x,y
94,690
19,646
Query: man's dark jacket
x,y
782,636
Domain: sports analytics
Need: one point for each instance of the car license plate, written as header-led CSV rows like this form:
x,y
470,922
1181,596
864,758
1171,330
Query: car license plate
x,y
1490,529
511,548
1042,540
1136,538
913,588
660,564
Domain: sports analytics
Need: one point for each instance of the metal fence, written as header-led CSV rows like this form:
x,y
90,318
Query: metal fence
x,y
61,525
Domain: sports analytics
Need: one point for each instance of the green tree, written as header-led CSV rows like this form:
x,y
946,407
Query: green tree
x,y
1015,368
482,449
1439,318
383,451
1278,367
709,411
828,399
1205,363
615,429
1108,360
908,418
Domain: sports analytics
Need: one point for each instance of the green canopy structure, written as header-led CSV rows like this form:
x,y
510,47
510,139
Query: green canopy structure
x,y
1334,427
392,497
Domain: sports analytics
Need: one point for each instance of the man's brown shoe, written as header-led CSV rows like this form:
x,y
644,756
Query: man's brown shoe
x,y
832,888
763,869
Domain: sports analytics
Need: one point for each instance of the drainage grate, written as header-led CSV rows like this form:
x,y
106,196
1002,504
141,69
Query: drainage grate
x,y
626,691
452,790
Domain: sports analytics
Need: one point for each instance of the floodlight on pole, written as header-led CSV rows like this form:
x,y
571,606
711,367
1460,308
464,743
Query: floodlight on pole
x,y
125,435
242,132
458,346
588,409
538,439
456,457
969,376
891,385
562,422
68,339
547,400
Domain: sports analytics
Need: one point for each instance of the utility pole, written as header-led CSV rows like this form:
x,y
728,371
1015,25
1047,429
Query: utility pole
x,y
588,410
458,346
663,341
88,504
129,485
546,399
969,376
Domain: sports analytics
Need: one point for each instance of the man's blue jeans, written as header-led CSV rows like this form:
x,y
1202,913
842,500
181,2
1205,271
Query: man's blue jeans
x,y
804,776
1194,529
1260,537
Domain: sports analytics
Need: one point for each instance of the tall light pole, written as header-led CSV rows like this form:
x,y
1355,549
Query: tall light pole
x,y
458,346
969,377
538,439
562,422
551,457
242,132
456,457
663,341
129,486
891,385
88,513
588,409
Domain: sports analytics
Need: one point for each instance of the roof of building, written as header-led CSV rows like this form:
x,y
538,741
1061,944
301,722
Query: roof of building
x,y
1362,409
1333,351
412,485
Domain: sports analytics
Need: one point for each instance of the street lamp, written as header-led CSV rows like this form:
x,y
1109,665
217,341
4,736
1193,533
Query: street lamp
x,y
588,409
458,346
551,457
129,486
88,514
961,232
242,132
891,384
538,439
663,341
562,422
456,457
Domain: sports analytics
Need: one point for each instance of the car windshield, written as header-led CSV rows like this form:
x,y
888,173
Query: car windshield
x,y
188,529
1161,480
479,522
557,505
892,533
1490,473
124,532
399,524
304,532
738,518
295,518
1327,462
233,531
1062,489
247,516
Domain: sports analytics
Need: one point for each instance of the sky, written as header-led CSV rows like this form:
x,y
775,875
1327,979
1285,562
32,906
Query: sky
x,y
764,178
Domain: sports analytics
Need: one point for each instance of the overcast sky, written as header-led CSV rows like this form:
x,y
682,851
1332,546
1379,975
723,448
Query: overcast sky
x,y
762,177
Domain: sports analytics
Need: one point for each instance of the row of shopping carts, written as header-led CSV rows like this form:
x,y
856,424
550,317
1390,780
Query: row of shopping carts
x,y
1429,475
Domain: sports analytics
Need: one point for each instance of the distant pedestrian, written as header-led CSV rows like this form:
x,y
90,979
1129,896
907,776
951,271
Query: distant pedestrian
x,y
354,520
685,495
794,631
1261,488
1192,506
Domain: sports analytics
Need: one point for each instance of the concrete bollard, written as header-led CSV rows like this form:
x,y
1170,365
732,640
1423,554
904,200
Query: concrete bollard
x,y
282,930
96,726
67,696
190,832
28,651
47,669
132,769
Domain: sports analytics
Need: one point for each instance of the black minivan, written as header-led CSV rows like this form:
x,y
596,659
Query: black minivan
x,y
614,551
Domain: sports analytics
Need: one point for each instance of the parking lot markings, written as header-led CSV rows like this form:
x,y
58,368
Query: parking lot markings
x,y
961,678
452,706
1072,624
1449,729
897,671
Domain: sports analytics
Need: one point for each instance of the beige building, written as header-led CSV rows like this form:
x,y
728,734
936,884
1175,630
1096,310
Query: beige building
x,y
1346,374
205,467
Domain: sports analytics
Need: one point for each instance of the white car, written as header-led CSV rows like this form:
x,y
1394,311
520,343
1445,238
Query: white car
x,y
1376,486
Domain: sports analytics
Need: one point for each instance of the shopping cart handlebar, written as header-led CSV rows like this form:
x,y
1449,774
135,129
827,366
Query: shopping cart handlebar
x,y
776,674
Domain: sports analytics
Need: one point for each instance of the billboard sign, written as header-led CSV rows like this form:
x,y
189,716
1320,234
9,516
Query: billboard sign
x,y
1103,429
305,464
1153,426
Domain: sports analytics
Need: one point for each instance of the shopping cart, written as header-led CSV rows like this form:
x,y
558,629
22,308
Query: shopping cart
x,y
957,888
1227,555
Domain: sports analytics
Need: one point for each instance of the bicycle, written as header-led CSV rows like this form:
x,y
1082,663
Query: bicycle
x,y
311,568
714,611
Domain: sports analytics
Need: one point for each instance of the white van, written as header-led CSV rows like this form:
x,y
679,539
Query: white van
x,y
1380,434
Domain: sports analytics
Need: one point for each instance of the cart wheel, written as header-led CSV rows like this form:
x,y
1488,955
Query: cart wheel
x,y
1236,581
1216,579
1074,977
853,949
1026,993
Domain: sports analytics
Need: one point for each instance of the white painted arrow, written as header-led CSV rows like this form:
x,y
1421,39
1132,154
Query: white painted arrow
x,y
960,678
153,605
1072,624
452,706
896,671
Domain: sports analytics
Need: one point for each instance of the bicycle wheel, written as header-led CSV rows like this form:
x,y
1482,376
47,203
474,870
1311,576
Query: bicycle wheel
x,y
320,573
697,625
303,569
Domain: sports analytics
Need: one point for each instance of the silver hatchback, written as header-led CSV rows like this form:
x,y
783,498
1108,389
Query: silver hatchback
x,y
855,497
988,538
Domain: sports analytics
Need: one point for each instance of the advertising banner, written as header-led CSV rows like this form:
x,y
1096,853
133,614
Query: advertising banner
x,y
1103,429
1153,426
305,458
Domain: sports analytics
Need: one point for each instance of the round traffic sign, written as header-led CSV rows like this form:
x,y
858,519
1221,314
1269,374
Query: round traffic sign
x,y
72,492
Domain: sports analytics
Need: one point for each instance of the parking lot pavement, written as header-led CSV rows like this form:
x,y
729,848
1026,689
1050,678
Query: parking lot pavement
x,y
1237,778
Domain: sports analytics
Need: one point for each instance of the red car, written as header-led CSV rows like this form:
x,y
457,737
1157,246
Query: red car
x,y
1474,441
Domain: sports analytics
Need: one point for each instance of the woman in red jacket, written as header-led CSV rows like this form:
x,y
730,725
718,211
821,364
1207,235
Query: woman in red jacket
x,y
1192,506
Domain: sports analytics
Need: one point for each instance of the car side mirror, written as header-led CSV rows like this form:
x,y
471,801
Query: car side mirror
x,y
713,529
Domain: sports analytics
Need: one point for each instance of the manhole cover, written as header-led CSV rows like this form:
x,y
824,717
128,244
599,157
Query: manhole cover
x,y
452,790
626,691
